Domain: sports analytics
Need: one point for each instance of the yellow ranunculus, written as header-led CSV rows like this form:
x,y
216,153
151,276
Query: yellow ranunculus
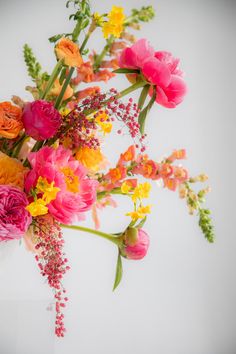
x,y
12,171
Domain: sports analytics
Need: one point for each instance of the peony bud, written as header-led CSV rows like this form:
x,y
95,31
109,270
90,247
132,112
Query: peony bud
x,y
136,243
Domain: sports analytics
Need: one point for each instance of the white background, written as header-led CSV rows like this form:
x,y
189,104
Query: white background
x,y
181,298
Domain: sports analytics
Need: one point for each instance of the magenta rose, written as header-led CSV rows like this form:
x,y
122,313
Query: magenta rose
x,y
41,120
136,244
14,218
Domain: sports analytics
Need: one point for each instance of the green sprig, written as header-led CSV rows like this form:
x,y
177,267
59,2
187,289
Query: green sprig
x,y
205,223
33,66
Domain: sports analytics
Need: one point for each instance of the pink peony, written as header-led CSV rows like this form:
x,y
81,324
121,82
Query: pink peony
x,y
159,68
134,57
138,249
41,120
14,218
77,192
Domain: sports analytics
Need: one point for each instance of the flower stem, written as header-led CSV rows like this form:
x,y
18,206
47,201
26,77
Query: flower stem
x,y
63,90
52,78
101,56
109,237
131,88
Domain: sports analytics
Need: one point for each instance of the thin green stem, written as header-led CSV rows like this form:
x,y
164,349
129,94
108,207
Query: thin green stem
x,y
63,90
52,78
109,237
101,56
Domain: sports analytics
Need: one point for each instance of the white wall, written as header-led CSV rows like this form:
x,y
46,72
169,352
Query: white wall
x,y
181,298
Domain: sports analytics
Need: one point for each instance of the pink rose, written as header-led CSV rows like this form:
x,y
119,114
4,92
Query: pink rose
x,y
136,245
41,120
14,218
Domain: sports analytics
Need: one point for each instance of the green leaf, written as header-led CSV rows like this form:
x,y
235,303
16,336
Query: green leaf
x,y
119,271
142,222
125,71
143,96
143,114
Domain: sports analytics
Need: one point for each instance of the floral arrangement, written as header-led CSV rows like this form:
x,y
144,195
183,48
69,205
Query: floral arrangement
x,y
52,167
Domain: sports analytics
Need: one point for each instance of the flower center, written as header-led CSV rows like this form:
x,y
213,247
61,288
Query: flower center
x,y
72,181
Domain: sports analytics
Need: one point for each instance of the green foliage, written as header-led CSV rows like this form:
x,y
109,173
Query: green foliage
x,y
205,223
119,271
33,66
145,14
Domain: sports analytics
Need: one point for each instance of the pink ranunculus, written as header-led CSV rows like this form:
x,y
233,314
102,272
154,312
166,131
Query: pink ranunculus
x,y
14,218
41,120
135,56
77,192
137,250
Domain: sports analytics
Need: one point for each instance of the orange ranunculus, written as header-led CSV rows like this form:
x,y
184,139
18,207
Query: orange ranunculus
x,y
69,51
56,89
12,172
10,120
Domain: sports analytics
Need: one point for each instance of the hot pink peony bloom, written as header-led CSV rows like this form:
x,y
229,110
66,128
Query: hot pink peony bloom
x,y
159,68
134,57
41,120
14,218
77,192
139,249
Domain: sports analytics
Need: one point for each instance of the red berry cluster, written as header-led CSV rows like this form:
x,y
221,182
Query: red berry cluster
x,y
82,124
52,263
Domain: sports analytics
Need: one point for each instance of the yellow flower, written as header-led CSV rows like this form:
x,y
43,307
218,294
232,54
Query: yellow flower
x,y
72,181
103,121
98,19
12,172
125,187
140,213
116,15
48,189
90,158
37,207
115,23
141,191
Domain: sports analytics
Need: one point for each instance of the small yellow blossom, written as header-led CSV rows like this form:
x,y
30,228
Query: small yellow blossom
x,y
103,122
71,180
98,19
48,189
125,187
140,213
116,15
141,191
115,24
37,207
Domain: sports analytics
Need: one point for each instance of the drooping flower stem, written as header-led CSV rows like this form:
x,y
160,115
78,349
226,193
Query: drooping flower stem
x,y
52,78
109,237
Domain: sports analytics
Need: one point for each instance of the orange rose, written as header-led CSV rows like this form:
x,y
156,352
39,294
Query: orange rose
x,y
56,89
69,51
10,120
